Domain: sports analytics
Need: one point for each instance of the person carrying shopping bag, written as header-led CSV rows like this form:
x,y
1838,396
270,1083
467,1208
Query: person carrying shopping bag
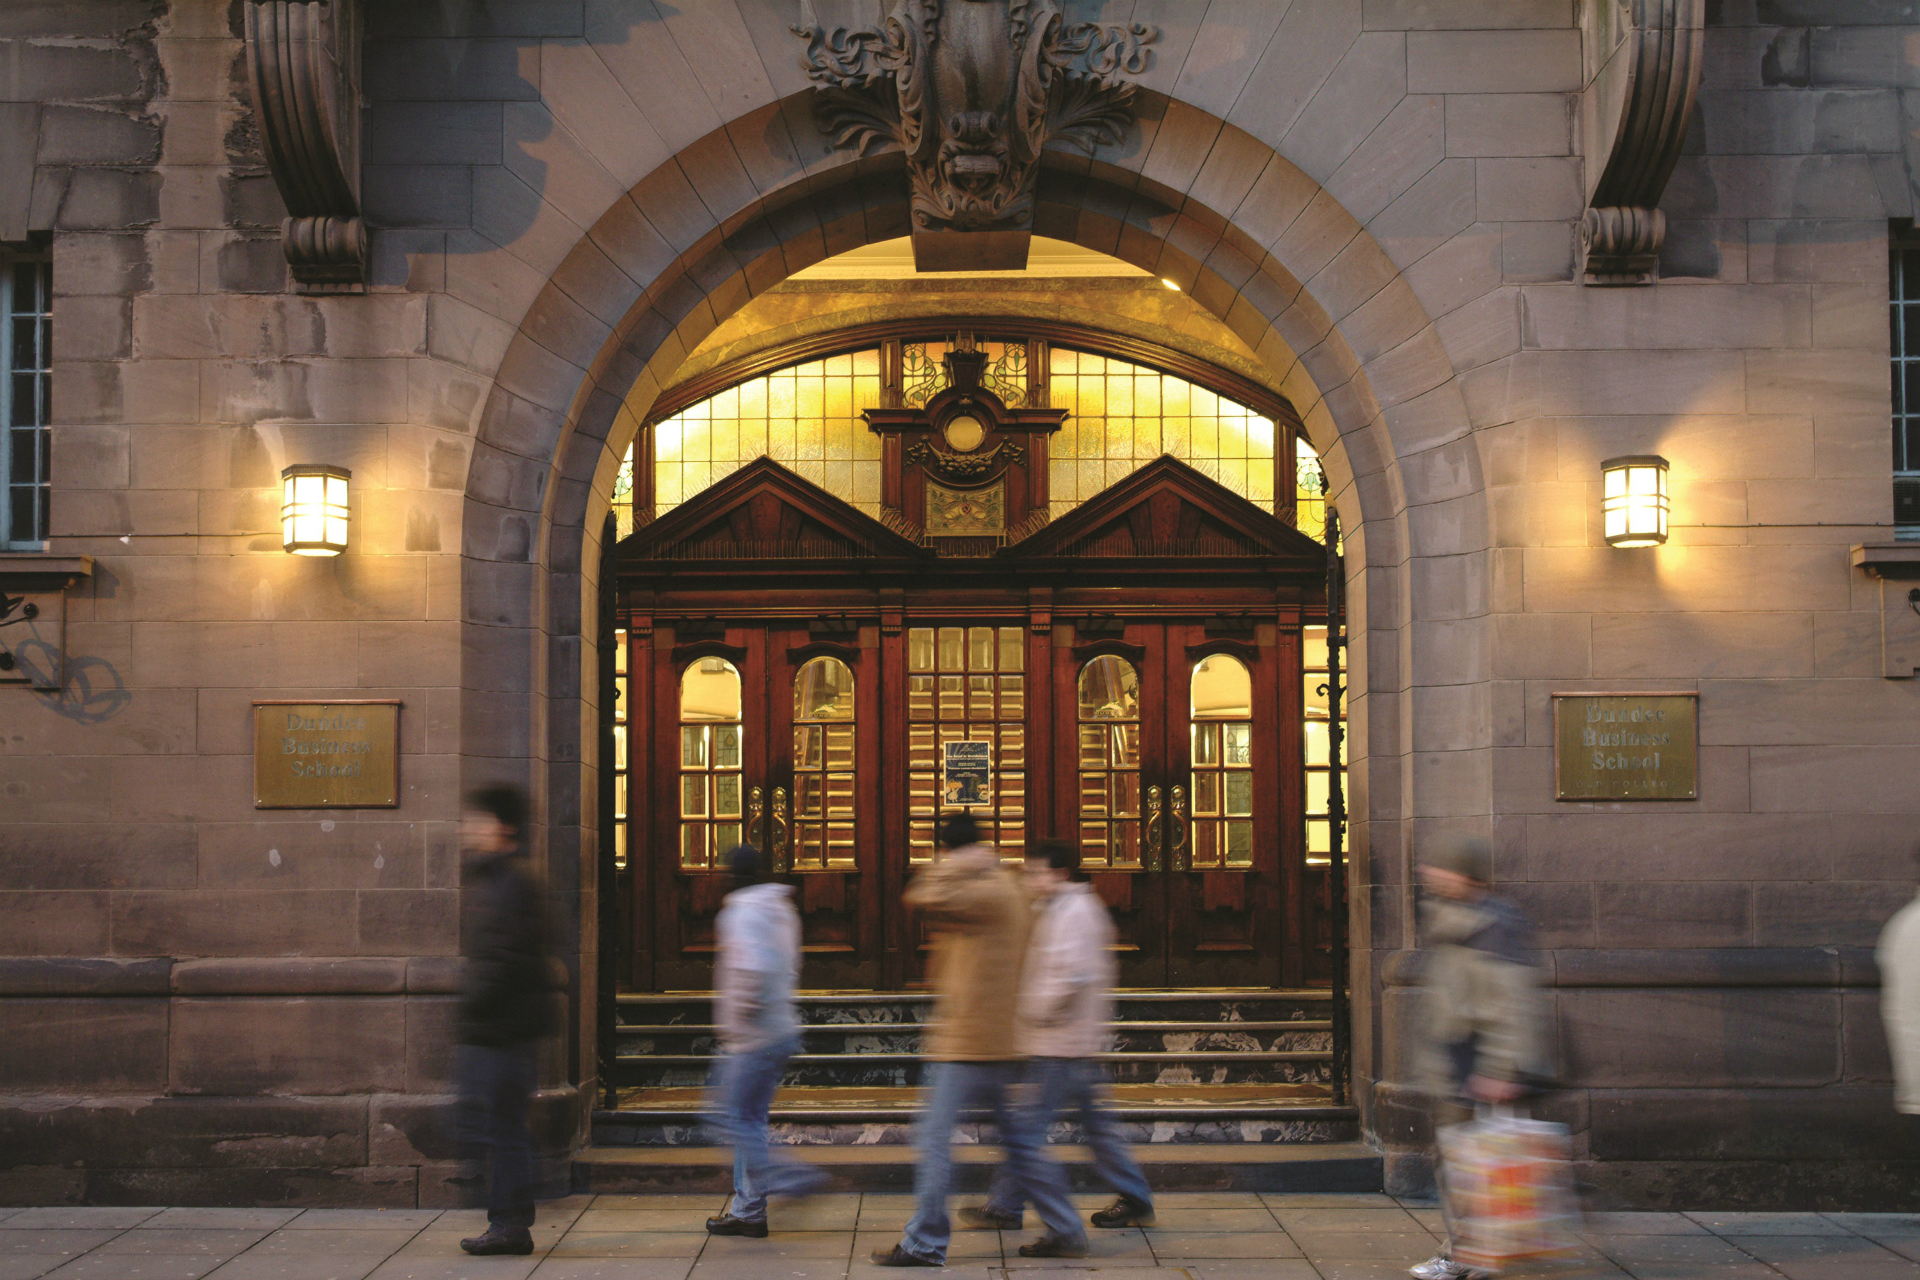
x,y
1482,1023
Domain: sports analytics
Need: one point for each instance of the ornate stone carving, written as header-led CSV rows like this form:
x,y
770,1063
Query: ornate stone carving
x,y
971,90
1641,84
303,60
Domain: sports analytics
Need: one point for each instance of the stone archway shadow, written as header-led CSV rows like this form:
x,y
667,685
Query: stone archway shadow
x,y
1244,231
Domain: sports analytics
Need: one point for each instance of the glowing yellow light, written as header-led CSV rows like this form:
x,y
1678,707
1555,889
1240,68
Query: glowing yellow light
x,y
1635,503
313,510
1170,284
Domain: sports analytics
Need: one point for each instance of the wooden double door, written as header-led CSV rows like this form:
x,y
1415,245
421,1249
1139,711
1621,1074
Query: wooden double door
x,y
1168,774
1168,753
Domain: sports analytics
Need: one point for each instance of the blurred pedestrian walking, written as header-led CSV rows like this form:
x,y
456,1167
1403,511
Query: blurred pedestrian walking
x,y
504,1011
980,920
1899,959
1065,1006
1481,1026
755,969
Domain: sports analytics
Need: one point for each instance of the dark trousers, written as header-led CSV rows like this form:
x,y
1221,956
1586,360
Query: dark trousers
x,y
496,1088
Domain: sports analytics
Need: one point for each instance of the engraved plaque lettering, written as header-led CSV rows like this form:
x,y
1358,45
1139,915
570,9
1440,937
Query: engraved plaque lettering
x,y
326,755
1626,746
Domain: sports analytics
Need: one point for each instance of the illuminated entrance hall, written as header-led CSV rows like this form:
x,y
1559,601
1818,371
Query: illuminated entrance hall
x,y
1068,576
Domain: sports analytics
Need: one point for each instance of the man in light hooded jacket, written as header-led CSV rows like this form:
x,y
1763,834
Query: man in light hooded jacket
x,y
1061,1024
1483,1018
756,966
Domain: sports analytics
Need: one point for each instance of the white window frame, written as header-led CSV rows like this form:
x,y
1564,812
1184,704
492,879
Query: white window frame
x,y
40,418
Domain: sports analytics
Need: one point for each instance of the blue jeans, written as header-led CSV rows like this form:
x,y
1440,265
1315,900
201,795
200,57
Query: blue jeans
x,y
1076,1087
496,1088
742,1095
954,1087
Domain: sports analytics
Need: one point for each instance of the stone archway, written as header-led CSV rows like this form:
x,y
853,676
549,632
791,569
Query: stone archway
x,y
1247,234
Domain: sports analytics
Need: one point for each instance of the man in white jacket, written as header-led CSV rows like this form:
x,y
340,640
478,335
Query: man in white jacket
x,y
755,968
1061,1024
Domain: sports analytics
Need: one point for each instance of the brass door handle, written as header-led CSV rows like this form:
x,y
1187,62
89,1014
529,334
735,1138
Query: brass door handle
x,y
778,835
1178,856
1156,829
756,809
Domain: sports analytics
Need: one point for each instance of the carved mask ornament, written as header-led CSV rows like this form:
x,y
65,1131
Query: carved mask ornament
x,y
971,90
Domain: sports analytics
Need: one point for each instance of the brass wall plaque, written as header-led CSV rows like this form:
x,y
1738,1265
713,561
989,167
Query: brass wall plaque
x,y
1626,746
326,755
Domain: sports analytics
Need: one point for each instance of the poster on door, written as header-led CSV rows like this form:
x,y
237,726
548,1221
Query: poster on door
x,y
968,774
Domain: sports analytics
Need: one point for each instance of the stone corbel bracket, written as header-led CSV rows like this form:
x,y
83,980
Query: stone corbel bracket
x,y
1642,77
1897,567
33,617
303,61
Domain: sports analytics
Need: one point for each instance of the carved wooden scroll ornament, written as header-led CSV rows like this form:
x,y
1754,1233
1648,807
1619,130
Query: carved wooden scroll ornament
x,y
971,90
303,59
1635,108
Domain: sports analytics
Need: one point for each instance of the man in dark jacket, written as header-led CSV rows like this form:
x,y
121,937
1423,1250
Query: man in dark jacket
x,y
503,1012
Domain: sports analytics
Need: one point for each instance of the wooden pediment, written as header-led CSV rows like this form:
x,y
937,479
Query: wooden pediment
x,y
765,512
1167,509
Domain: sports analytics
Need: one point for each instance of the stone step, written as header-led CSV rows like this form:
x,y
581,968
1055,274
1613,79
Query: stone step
x,y
873,1039
838,1116
1199,1166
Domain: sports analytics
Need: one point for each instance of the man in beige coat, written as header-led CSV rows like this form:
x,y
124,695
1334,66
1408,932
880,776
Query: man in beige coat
x,y
980,920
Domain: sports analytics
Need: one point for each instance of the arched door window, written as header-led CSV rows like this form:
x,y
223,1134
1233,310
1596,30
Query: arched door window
x,y
1109,763
710,756
1222,727
824,807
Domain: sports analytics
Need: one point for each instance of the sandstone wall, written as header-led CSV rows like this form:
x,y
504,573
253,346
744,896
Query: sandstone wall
x,y
1377,196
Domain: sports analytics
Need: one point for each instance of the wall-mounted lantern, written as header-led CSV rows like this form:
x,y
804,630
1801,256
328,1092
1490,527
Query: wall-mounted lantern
x,y
313,510
1635,500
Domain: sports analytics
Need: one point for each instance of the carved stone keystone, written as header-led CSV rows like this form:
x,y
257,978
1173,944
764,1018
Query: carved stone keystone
x,y
303,60
1642,77
971,90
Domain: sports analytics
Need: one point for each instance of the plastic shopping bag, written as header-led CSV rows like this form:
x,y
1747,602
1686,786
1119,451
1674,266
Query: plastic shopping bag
x,y
1509,1189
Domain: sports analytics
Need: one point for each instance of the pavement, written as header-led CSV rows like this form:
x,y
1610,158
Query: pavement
x,y
1208,1236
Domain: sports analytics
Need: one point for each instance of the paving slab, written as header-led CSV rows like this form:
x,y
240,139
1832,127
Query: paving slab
x,y
628,1244
59,1244
205,1242
77,1218
613,1269
95,1266
1182,1246
254,1265
365,1220
227,1219
1769,1224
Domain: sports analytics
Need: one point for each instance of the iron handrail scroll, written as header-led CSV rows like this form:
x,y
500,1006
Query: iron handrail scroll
x,y
1337,814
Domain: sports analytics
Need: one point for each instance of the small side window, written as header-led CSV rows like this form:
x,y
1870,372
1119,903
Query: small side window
x,y
26,387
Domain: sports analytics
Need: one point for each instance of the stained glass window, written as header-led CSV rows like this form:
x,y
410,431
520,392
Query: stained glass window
x,y
967,684
620,745
806,418
1310,497
824,815
1109,760
1122,416
1222,729
623,494
712,816
1319,745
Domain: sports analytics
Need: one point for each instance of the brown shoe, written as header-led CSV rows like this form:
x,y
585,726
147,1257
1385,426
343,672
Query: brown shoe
x,y
898,1257
1052,1246
1124,1212
982,1218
